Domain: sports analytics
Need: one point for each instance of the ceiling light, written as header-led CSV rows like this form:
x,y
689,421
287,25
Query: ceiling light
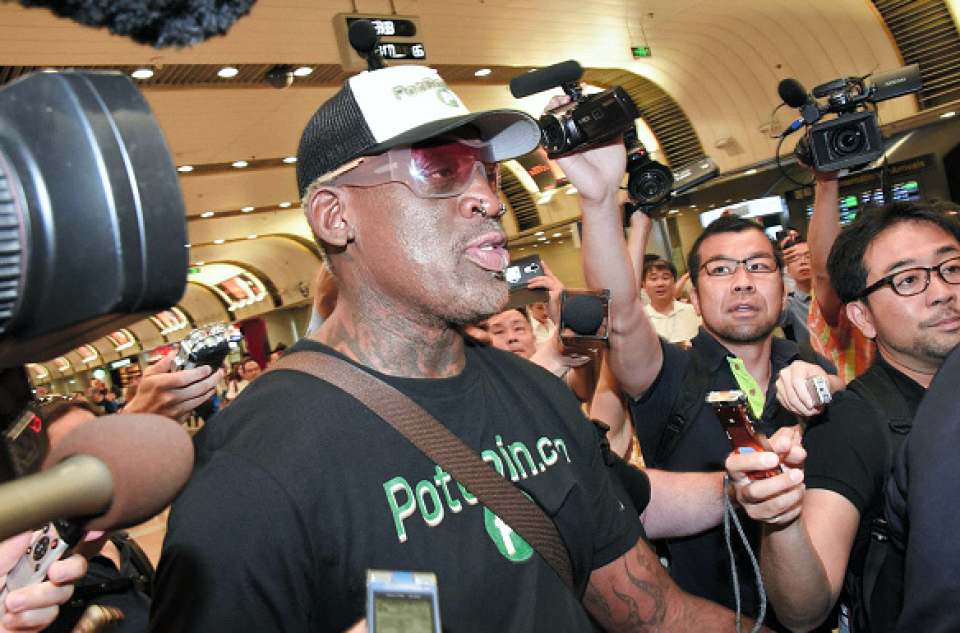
x,y
142,73
284,205
539,233
290,159
252,237
228,72
750,172
542,239
303,71
247,209
571,191
483,72
240,164
544,199
187,246
200,263
557,235
207,214
185,168
947,115
219,241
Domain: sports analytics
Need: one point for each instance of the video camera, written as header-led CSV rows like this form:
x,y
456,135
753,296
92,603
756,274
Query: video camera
x,y
591,120
92,225
852,139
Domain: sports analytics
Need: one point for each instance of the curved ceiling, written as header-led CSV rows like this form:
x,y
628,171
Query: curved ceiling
x,y
718,61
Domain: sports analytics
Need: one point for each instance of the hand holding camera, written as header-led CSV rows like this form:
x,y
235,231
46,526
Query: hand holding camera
x,y
805,389
174,394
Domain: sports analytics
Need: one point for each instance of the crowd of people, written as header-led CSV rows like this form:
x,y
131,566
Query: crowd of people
x,y
299,488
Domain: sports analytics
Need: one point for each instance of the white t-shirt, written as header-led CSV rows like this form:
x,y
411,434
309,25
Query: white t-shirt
x,y
679,326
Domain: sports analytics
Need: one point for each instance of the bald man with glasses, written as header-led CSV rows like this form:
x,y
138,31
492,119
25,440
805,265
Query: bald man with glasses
x,y
897,271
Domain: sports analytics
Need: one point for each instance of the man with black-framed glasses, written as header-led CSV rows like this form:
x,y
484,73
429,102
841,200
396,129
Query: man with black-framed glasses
x,y
897,271
738,291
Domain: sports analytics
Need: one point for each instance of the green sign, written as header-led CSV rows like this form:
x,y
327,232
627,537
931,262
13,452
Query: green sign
x,y
193,271
641,51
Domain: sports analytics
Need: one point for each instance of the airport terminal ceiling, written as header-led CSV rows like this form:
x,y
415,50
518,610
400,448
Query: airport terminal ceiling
x,y
708,86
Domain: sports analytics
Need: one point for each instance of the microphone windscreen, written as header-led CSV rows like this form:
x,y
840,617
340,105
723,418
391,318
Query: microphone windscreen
x,y
583,313
158,23
793,93
150,458
363,36
545,78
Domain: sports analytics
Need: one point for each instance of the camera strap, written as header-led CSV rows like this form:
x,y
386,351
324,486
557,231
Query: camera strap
x,y
508,502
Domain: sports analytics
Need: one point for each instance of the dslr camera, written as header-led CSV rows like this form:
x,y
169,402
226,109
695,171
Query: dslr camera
x,y
852,139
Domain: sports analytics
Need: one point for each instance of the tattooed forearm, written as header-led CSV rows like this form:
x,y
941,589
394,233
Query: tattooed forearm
x,y
635,599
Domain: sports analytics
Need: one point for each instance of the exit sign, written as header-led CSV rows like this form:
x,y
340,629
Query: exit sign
x,y
641,51
193,271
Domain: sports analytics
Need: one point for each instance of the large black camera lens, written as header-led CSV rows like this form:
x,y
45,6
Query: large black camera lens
x,y
552,134
92,224
847,140
649,182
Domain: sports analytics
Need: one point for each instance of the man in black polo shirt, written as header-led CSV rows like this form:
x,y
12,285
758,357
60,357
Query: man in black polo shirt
x,y
896,269
738,291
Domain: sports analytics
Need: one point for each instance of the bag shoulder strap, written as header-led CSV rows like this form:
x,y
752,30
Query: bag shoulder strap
x,y
876,388
501,497
693,392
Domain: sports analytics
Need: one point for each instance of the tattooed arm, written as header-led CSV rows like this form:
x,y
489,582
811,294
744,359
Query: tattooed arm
x,y
634,593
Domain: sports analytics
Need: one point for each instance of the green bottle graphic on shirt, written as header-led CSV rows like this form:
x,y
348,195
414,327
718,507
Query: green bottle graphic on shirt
x,y
510,544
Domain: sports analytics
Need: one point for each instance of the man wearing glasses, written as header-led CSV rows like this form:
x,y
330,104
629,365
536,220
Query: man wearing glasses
x,y
738,291
897,270
299,489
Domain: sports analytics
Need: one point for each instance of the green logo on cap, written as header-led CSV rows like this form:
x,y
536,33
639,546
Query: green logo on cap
x,y
447,97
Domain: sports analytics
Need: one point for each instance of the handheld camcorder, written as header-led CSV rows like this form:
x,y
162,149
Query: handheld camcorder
x,y
851,139
92,225
591,120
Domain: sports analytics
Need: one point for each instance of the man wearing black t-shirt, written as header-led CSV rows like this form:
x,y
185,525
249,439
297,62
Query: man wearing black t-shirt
x,y
739,293
299,489
897,270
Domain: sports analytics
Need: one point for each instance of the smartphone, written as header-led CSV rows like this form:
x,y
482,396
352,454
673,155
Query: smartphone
x,y
517,274
730,408
401,601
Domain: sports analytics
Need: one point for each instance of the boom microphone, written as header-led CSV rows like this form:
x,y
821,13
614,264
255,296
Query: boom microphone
x,y
158,23
110,473
545,78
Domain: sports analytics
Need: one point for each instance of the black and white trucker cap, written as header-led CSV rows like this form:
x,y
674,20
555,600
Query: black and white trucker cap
x,y
392,107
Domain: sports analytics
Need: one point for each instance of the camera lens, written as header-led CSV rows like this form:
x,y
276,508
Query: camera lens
x,y
650,184
551,133
847,141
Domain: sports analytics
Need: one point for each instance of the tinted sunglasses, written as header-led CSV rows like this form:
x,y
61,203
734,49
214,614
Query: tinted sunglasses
x,y
429,170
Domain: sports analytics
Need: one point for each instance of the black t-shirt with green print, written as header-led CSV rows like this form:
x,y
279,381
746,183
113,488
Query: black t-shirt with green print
x,y
299,489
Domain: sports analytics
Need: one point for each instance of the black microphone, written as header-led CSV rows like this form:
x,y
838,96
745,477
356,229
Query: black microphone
x,y
545,78
583,316
793,93
110,473
158,23
583,313
364,39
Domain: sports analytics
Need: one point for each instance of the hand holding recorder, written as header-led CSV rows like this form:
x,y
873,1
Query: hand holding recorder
x,y
771,497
